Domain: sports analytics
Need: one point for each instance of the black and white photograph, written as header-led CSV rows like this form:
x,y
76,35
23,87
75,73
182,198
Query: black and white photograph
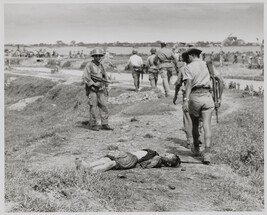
x,y
133,106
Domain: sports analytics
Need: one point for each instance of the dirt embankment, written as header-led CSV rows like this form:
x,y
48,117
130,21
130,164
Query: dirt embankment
x,y
43,140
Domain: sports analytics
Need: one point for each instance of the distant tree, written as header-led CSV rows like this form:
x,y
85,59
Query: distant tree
x,y
73,42
80,44
60,42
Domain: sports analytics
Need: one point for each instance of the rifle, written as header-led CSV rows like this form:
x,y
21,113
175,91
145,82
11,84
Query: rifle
x,y
98,79
215,88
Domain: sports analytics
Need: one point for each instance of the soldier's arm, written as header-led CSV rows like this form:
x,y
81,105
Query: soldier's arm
x,y
178,85
87,76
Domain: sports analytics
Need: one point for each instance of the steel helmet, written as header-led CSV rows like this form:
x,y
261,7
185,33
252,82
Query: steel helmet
x,y
97,51
134,51
153,51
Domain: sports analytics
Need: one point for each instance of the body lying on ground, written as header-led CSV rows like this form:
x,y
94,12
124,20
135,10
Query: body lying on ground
x,y
117,160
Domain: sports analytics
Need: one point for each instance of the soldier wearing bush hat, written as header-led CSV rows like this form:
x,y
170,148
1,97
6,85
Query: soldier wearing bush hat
x,y
198,99
96,90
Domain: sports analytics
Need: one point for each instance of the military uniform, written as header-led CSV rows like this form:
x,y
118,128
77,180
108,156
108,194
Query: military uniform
x,y
165,57
135,63
152,71
97,95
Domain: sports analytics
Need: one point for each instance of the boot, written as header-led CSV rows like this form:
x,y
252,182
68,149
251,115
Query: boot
x,y
107,128
94,128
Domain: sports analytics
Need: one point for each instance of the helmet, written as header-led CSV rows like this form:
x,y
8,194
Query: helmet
x,y
134,51
153,50
97,51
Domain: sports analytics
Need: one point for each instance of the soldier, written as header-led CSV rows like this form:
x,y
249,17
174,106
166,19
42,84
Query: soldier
x,y
165,57
96,91
235,58
243,57
198,99
136,64
152,69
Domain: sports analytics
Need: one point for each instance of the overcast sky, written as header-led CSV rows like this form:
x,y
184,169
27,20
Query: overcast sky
x,y
35,23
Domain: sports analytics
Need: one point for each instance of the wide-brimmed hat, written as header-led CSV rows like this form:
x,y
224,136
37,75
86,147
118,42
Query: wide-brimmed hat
x,y
193,51
185,54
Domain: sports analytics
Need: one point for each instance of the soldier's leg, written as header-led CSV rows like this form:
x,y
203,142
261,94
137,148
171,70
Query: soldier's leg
x,y
169,74
99,162
93,108
195,130
163,74
187,125
135,77
104,167
206,118
103,107
156,79
151,79
138,79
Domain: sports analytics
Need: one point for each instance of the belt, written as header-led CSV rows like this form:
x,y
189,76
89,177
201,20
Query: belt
x,y
201,87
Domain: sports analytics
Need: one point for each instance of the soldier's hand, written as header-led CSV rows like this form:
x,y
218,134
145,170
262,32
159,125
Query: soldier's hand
x,y
174,99
98,84
218,104
185,106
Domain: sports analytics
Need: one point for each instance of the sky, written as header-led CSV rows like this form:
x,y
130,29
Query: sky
x,y
142,22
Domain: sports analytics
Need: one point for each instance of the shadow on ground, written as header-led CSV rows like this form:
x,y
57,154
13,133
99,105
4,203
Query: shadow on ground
x,y
83,124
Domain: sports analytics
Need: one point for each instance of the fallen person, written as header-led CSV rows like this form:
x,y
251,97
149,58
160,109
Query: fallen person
x,y
117,160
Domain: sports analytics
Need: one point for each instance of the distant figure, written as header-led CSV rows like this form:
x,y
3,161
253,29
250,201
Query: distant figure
x,y
106,60
152,69
136,64
226,57
165,57
211,56
259,62
235,58
58,62
250,62
70,55
82,54
243,58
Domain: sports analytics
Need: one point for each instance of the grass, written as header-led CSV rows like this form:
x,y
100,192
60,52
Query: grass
x,y
239,141
45,126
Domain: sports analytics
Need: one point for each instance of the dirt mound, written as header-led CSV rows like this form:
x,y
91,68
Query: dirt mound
x,y
24,87
131,97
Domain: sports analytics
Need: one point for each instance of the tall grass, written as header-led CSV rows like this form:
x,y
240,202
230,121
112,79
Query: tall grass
x,y
239,140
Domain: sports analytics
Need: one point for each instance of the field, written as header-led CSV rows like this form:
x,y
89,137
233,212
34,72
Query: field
x,y
43,139
127,50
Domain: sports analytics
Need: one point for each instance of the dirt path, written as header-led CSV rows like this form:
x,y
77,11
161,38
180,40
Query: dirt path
x,y
191,185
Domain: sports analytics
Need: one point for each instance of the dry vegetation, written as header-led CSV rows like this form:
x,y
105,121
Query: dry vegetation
x,y
42,141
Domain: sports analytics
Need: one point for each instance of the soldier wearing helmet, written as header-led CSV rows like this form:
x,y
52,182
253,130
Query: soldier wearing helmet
x,y
136,64
152,69
165,58
96,91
